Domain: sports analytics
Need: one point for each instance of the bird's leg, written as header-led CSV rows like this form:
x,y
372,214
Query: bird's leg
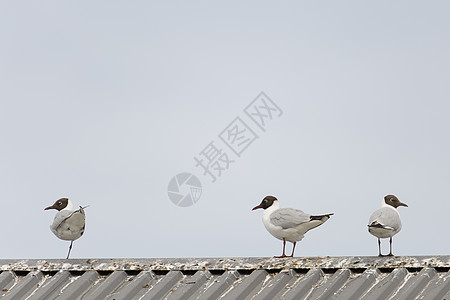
x,y
70,248
379,247
284,249
390,247
293,248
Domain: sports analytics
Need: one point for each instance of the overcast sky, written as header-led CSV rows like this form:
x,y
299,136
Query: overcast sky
x,y
104,102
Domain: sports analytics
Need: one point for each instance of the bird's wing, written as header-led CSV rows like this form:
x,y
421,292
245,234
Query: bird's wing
x,y
77,216
386,218
289,217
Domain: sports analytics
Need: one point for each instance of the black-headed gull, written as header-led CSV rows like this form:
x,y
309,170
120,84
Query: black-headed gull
x,y
385,222
68,224
288,224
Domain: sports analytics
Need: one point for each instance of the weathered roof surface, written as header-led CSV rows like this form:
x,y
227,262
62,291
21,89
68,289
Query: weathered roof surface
x,y
422,277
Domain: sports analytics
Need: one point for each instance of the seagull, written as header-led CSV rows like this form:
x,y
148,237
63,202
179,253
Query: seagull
x,y
385,222
68,224
288,224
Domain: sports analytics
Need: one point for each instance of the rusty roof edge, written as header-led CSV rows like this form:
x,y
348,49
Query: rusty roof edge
x,y
228,263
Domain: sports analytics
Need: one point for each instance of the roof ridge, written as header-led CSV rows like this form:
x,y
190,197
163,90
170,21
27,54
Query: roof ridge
x,y
226,263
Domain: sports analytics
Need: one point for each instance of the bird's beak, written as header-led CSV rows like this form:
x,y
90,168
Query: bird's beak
x,y
256,207
50,207
403,204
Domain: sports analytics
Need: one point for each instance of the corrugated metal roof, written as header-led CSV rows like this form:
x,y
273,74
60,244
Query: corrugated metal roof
x,y
228,278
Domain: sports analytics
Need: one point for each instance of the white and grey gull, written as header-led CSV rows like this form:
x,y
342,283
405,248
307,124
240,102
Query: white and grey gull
x,y
68,224
385,222
288,224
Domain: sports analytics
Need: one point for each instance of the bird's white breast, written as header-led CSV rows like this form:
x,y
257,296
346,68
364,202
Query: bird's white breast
x,y
68,226
294,234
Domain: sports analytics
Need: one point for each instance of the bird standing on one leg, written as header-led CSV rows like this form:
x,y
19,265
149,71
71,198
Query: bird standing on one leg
x,y
288,224
68,224
385,222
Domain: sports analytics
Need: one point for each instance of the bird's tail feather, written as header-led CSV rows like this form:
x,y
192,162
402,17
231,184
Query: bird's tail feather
x,y
322,218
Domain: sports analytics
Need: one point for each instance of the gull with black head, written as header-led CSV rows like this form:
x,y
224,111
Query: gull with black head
x,y
385,222
68,224
288,224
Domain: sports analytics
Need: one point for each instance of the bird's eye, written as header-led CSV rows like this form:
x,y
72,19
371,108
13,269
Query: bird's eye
x,y
59,203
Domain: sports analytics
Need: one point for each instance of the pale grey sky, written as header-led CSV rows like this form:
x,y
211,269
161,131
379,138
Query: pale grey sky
x,y
104,102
